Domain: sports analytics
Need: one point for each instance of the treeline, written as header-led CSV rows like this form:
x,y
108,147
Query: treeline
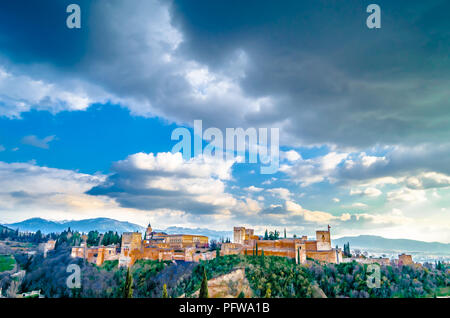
x,y
38,237
67,237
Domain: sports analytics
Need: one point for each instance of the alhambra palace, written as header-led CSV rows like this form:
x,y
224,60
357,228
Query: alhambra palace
x,y
193,248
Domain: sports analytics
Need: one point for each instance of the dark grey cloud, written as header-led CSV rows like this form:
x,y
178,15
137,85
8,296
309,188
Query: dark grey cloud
x,y
311,68
338,82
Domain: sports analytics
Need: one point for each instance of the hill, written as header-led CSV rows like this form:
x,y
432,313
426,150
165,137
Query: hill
x,y
378,243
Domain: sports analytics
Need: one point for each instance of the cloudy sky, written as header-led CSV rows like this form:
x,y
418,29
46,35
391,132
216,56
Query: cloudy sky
x,y
86,115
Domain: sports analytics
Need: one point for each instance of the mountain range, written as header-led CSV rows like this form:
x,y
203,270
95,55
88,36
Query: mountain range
x,y
104,225
99,224
381,244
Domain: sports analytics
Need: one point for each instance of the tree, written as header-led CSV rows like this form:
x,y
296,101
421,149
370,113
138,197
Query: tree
x,y
256,249
284,232
241,295
164,294
128,288
204,286
266,236
217,252
347,250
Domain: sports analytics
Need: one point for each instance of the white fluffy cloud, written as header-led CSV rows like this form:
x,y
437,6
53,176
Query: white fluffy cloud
x,y
28,190
21,93
253,189
290,155
314,170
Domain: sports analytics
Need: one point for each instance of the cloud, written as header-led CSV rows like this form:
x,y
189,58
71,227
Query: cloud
x,y
282,193
407,195
166,180
428,180
34,141
360,205
164,58
368,192
28,190
314,170
253,189
290,155
21,93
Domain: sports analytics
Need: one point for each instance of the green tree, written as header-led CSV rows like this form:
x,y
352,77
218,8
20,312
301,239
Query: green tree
x,y
204,286
164,294
266,236
241,295
284,232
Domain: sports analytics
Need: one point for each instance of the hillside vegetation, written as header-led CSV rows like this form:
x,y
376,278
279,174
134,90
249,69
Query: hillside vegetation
x,y
266,276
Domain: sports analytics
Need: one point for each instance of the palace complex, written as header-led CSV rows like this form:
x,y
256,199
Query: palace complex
x,y
193,248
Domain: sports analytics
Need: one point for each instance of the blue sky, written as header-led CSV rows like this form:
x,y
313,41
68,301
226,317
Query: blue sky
x,y
86,116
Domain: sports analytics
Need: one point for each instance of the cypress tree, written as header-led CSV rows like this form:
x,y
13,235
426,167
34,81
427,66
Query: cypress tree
x,y
128,288
165,295
256,250
204,286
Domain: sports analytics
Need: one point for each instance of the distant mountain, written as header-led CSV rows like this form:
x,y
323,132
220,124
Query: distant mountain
x,y
104,225
99,224
378,243
212,234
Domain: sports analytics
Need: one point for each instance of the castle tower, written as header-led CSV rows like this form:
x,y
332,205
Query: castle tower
x,y
239,235
323,239
148,232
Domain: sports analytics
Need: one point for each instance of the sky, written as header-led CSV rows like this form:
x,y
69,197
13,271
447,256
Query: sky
x,y
86,115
